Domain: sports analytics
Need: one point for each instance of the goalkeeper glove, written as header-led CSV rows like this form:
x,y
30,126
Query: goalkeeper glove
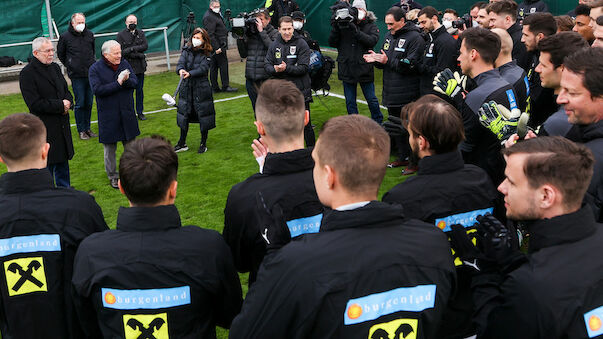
x,y
450,84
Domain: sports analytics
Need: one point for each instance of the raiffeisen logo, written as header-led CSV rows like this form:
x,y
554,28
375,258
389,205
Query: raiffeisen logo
x,y
373,306
145,299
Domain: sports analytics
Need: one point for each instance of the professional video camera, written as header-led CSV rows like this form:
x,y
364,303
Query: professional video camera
x,y
244,23
343,14
464,20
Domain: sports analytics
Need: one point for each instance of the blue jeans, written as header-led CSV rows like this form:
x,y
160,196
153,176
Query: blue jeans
x,y
60,174
83,103
139,93
368,89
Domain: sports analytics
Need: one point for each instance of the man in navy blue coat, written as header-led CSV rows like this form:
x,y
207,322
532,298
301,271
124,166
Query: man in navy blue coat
x,y
113,81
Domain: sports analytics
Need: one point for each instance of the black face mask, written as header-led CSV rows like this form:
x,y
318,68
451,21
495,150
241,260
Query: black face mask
x,y
132,27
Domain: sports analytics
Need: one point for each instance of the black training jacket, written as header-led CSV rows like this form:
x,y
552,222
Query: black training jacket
x,y
401,80
41,228
518,78
296,54
369,273
153,278
445,191
133,46
441,52
286,179
76,51
254,48
542,103
530,7
481,147
549,296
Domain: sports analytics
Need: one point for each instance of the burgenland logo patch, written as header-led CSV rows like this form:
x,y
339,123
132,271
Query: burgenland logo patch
x,y
145,299
467,219
373,306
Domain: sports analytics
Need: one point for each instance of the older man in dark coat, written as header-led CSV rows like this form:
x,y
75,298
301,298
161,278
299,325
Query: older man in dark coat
x,y
113,81
45,92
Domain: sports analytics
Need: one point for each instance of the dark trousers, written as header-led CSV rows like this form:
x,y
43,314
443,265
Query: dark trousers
x,y
219,61
139,93
83,103
60,173
309,136
368,89
184,133
252,90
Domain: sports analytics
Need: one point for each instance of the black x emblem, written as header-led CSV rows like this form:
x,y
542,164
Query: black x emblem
x,y
26,275
146,332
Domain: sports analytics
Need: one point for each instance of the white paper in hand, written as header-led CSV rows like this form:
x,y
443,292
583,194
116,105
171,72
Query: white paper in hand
x,y
122,75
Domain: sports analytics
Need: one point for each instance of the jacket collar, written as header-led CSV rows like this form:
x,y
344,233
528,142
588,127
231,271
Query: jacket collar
x,y
441,163
31,180
141,219
374,215
436,33
514,28
43,70
408,26
592,131
485,76
288,162
292,40
510,64
561,229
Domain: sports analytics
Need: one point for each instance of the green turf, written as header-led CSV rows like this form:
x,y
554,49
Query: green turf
x,y
203,179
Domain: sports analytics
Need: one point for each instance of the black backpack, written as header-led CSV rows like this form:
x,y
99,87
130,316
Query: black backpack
x,y
321,67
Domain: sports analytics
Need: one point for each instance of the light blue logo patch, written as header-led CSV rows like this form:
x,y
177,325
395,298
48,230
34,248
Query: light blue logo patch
x,y
146,299
467,219
291,56
527,82
511,97
304,225
593,321
30,244
397,49
371,307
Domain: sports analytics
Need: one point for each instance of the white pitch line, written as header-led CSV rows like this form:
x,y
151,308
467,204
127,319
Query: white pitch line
x,y
240,97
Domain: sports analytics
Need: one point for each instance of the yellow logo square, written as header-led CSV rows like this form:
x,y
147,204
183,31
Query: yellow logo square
x,y
146,326
399,328
25,275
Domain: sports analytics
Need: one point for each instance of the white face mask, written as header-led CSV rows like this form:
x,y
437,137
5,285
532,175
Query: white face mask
x,y
197,42
361,15
216,10
298,25
447,23
80,27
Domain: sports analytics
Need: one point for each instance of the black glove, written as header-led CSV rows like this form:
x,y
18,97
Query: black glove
x,y
469,254
393,126
499,243
273,227
451,84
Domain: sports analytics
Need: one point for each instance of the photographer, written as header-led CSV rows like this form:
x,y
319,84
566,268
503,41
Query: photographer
x,y
253,45
299,20
352,40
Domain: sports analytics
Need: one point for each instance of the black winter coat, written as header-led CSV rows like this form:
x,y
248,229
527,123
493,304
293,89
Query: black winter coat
x,y
215,27
41,227
351,44
280,8
133,46
44,88
592,137
116,117
76,51
354,279
196,103
441,52
530,7
401,82
254,48
151,271
296,54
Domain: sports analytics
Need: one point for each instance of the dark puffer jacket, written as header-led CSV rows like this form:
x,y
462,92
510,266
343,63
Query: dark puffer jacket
x,y
351,44
254,48
195,92
133,46
400,80
296,54
76,51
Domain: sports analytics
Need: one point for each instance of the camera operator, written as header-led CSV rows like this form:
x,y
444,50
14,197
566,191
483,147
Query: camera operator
x,y
441,50
352,41
253,45
299,20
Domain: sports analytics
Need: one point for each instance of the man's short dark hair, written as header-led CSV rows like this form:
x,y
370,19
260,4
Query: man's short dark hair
x,y
452,11
588,62
504,7
397,12
559,162
565,23
429,12
147,168
600,20
541,22
438,122
285,18
485,42
479,4
21,135
357,148
280,108
561,45
263,12
582,10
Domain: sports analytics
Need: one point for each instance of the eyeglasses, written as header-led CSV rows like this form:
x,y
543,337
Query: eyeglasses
x,y
46,50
